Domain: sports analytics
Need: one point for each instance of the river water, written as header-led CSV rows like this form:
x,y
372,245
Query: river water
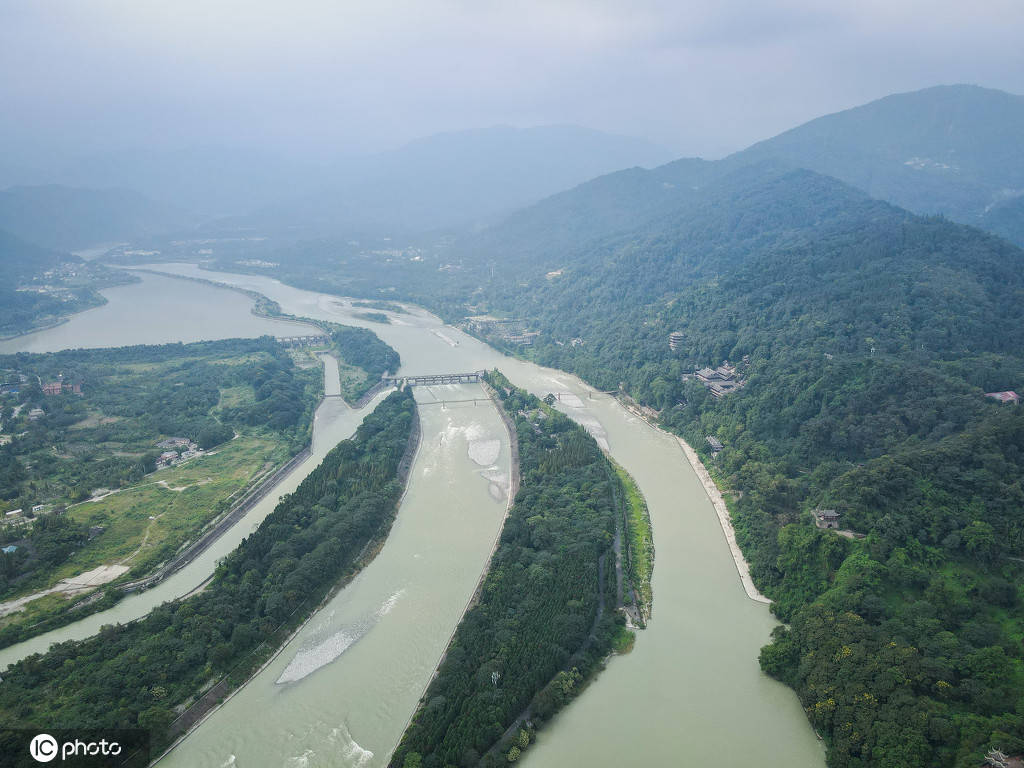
x,y
341,693
156,311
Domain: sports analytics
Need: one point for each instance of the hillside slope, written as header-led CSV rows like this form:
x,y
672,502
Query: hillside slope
x,y
955,150
866,338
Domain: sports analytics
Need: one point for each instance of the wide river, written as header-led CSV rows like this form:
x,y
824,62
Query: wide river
x,y
341,693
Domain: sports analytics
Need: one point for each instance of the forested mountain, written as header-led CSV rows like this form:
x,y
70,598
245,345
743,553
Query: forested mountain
x,y
72,218
866,337
956,150
20,260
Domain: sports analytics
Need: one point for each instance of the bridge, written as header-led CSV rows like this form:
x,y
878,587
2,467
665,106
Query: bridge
x,y
304,341
433,378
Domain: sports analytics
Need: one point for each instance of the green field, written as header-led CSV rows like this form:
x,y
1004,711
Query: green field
x,y
639,538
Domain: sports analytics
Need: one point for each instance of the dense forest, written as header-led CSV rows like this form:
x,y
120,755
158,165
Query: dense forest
x,y
137,675
545,617
866,339
128,398
362,348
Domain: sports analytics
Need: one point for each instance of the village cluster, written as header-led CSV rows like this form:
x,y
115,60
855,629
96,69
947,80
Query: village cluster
x,y
175,451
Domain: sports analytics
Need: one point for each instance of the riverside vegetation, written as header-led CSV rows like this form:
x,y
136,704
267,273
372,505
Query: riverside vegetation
x,y
546,615
867,337
140,674
871,336
100,433
104,437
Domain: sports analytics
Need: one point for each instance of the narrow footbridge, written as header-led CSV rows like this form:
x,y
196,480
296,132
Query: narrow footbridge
x,y
433,378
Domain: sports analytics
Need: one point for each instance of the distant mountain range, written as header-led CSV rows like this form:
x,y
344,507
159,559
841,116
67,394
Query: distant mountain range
x,y
20,260
458,180
951,150
70,218
956,150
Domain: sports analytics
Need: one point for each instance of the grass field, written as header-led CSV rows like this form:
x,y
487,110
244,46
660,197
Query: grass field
x,y
641,543
147,522
353,380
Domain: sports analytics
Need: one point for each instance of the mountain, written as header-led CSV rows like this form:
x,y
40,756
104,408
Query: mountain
x,y
951,150
957,150
458,179
210,180
74,218
865,338
20,260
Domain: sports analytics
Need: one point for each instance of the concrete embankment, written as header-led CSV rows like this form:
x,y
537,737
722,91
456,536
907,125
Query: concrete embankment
x,y
715,496
723,517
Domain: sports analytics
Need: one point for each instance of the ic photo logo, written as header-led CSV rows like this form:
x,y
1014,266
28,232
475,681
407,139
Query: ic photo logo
x,y
43,748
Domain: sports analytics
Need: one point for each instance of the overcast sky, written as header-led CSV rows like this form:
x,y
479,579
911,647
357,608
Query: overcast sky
x,y
347,76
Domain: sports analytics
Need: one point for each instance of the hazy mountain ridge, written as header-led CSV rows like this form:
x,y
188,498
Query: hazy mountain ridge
x,y
71,218
20,259
954,150
458,180
893,149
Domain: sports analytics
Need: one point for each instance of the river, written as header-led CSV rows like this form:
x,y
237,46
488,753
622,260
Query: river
x,y
156,311
690,693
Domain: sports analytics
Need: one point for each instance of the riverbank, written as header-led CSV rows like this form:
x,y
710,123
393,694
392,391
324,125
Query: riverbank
x,y
715,495
221,692
721,510
475,596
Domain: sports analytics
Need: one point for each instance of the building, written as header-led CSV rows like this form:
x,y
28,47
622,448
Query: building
x,y
173,442
13,513
486,324
826,518
720,381
716,445
62,387
36,413
523,339
675,340
10,549
1008,396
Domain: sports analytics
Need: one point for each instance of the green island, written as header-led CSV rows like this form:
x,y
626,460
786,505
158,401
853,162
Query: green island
x,y
546,615
115,457
373,317
638,551
166,670
363,359
384,306
41,287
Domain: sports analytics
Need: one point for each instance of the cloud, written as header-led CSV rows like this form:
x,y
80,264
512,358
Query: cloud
x,y
349,75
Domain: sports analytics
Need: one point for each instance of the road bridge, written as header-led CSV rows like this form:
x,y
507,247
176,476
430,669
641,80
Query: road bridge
x,y
433,379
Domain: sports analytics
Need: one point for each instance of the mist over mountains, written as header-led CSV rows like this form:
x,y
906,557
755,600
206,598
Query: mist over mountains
x,y
950,150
